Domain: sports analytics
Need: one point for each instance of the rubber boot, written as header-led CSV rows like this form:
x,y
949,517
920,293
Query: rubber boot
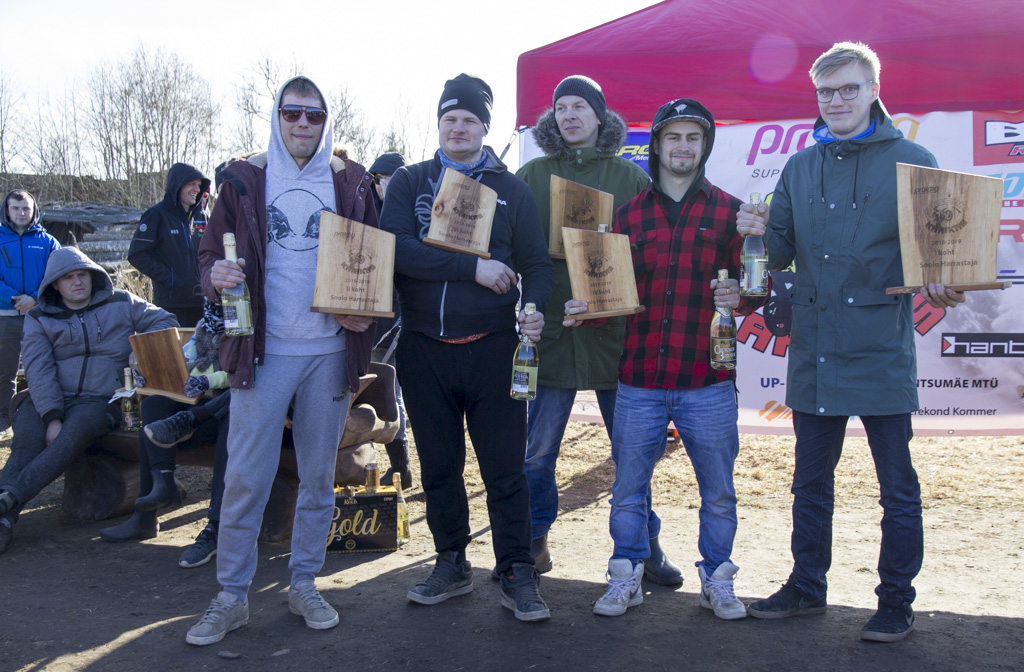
x,y
164,492
141,525
540,554
659,569
398,455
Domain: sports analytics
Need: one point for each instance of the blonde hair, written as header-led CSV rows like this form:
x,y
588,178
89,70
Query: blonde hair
x,y
844,53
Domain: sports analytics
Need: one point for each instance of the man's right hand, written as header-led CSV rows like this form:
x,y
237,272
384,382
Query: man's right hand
x,y
494,275
574,307
23,302
52,430
227,274
751,220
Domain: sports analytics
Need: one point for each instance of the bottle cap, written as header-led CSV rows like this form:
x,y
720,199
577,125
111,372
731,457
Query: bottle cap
x,y
755,197
723,274
530,308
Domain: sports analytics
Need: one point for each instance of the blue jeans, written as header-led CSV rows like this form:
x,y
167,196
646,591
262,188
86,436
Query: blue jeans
x,y
819,444
706,421
548,415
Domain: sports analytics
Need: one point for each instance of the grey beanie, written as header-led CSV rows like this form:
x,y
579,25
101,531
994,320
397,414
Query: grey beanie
x,y
585,88
466,92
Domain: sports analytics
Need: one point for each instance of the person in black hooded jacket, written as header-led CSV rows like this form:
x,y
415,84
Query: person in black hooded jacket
x,y
165,244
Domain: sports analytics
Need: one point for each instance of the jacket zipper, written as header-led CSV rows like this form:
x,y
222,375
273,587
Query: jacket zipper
x,y
85,360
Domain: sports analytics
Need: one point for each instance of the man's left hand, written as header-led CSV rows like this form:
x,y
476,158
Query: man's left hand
x,y
356,323
531,325
938,296
24,303
727,293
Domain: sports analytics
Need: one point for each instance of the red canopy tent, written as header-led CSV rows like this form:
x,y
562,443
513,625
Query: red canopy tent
x,y
749,60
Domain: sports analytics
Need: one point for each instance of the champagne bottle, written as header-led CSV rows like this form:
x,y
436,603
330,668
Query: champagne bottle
x,y
524,365
235,300
402,510
754,262
131,413
723,334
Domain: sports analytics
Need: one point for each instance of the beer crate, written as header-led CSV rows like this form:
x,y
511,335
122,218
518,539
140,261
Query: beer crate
x,y
364,522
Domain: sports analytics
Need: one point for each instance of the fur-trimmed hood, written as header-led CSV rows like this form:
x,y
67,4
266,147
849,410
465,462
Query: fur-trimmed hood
x,y
610,136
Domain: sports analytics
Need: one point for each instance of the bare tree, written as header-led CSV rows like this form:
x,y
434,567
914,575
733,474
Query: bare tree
x,y
350,127
10,133
58,158
146,113
254,100
412,133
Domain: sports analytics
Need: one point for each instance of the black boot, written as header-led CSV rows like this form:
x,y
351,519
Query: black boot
x,y
141,525
164,492
398,455
659,569
8,502
540,554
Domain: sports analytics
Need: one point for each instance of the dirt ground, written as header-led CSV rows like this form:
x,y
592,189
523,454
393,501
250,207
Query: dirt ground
x,y
69,601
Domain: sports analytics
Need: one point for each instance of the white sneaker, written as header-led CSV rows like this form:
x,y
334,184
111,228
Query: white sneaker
x,y
623,588
716,592
305,600
225,613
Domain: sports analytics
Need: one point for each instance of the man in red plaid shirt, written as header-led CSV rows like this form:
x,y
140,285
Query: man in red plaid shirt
x,y
682,230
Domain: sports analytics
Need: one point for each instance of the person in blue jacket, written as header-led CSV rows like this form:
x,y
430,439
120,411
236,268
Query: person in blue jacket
x,y
25,247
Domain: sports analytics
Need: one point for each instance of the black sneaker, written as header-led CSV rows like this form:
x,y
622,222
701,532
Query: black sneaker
x,y
520,593
452,576
199,553
787,601
889,624
171,431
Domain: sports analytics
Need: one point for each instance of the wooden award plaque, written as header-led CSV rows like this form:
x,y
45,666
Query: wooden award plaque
x,y
949,229
462,216
162,363
601,273
578,207
355,265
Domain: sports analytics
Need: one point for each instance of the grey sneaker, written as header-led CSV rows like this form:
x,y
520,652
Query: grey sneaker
x,y
889,624
452,576
787,601
171,431
624,590
199,553
225,613
716,592
305,600
520,592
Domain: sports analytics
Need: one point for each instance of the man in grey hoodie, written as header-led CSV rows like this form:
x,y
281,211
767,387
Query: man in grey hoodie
x,y
271,202
75,348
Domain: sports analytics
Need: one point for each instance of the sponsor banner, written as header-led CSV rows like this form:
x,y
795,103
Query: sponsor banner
x,y
970,372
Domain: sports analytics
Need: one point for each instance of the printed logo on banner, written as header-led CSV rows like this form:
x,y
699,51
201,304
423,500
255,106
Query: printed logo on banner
x,y
998,138
637,148
774,410
983,345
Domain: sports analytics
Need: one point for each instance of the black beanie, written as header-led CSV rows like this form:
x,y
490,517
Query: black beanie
x,y
387,164
466,92
585,88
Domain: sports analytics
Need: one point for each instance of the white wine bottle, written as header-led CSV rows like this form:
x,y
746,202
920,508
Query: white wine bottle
x,y
753,261
131,413
402,510
524,365
235,300
723,334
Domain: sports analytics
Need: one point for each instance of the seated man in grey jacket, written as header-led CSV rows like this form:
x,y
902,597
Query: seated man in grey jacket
x,y
74,348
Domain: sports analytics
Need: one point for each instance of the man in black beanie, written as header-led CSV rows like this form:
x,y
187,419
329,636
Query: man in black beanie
x,y
454,358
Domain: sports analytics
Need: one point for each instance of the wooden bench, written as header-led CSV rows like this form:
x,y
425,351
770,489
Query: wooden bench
x,y
104,481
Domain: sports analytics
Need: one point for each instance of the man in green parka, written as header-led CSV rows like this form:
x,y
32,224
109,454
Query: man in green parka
x,y
852,349
580,138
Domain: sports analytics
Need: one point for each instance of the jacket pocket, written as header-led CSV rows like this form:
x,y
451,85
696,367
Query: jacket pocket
x,y
869,320
803,299
709,250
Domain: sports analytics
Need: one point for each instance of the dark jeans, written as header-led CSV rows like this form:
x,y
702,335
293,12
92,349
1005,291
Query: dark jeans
x,y
212,425
443,383
819,444
33,465
10,353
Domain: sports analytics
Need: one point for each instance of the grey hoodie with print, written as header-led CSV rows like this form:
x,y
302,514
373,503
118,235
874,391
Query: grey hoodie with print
x,y
81,353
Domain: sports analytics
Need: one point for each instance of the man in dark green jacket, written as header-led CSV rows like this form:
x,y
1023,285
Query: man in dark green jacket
x,y
852,349
580,138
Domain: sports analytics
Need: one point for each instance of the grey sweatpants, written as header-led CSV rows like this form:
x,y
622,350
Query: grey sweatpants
x,y
321,399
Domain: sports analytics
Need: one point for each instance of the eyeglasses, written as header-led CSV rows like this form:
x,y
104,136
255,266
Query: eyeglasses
x,y
314,115
382,179
847,92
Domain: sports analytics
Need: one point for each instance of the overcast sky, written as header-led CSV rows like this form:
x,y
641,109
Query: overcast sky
x,y
387,53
